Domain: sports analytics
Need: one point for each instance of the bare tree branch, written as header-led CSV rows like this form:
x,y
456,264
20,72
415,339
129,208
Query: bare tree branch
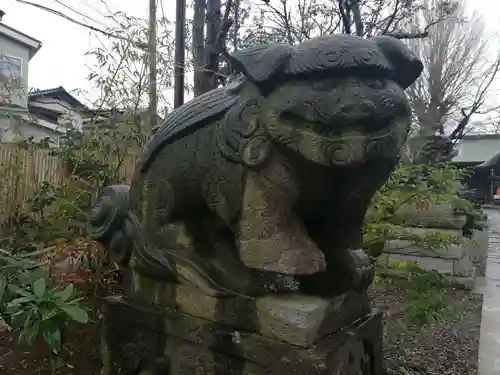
x,y
417,34
309,18
457,78
478,101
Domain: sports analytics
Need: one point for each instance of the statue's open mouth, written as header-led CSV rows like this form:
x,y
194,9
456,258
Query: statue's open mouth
x,y
346,142
337,126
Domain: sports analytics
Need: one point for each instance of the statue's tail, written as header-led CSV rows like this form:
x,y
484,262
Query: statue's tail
x,y
107,222
112,223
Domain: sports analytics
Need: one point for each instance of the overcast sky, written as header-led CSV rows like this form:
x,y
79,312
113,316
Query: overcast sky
x,y
61,60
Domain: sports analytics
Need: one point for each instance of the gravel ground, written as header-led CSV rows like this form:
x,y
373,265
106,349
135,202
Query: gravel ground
x,y
447,346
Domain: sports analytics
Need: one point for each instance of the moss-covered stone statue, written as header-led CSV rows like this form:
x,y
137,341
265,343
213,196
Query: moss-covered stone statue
x,y
261,187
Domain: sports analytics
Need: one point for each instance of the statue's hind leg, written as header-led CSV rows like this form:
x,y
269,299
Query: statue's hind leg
x,y
220,257
185,250
202,253
200,246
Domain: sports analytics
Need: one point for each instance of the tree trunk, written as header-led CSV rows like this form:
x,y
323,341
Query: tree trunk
x,y
236,27
213,20
198,44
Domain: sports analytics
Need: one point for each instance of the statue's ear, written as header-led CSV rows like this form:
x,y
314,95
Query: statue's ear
x,y
262,62
407,66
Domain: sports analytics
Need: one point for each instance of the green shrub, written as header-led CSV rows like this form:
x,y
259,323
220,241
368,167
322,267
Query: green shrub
x,y
32,305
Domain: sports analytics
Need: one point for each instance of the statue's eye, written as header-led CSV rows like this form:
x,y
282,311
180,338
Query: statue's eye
x,y
376,84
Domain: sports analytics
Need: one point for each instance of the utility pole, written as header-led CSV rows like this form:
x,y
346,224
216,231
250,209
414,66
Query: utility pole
x,y
152,64
180,44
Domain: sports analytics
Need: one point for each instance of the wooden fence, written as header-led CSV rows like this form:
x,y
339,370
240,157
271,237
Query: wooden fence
x,y
24,170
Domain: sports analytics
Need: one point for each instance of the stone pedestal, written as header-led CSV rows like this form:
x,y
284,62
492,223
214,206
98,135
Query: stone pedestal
x,y
460,264
278,334
430,216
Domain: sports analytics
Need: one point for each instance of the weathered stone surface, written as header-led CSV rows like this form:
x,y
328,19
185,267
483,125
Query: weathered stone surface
x,y
184,344
404,247
247,203
463,262
434,216
294,318
271,174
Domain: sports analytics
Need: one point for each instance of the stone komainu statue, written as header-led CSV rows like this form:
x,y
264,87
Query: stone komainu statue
x,y
263,185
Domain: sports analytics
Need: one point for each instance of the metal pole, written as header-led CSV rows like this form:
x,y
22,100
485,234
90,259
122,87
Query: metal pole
x,y
180,43
152,64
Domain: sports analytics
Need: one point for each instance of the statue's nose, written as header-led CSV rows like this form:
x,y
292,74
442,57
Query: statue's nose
x,y
357,109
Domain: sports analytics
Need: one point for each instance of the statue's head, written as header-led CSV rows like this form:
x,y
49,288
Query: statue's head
x,y
338,100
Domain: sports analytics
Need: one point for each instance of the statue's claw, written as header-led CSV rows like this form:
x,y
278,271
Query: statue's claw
x,y
364,269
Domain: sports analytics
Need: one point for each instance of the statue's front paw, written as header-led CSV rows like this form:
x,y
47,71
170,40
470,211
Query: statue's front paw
x,y
364,270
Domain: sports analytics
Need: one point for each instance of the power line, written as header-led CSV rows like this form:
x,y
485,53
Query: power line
x,y
97,10
107,16
140,45
80,13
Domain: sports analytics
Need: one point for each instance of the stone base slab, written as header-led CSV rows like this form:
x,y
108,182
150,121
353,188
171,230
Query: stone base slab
x,y
294,318
149,340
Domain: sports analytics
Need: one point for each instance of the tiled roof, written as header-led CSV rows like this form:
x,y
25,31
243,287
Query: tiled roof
x,y
56,92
